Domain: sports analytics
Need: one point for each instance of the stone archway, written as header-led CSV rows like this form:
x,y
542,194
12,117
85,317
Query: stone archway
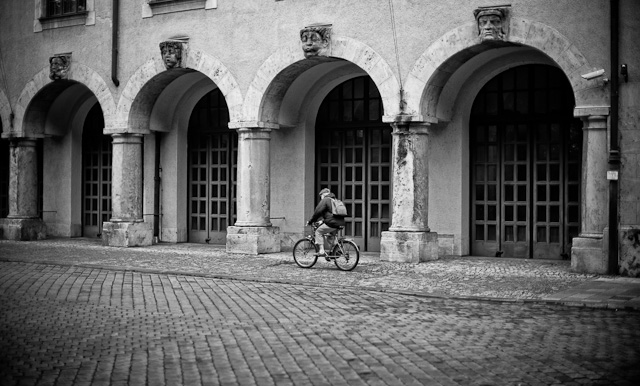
x,y
78,73
266,91
133,108
432,71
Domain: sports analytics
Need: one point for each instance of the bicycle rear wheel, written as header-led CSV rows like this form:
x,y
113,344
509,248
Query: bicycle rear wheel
x,y
347,257
304,253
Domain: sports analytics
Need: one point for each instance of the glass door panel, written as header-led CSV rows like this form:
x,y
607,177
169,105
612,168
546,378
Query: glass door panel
x,y
96,174
525,165
354,158
213,151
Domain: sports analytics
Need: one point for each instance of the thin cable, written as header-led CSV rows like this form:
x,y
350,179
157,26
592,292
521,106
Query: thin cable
x,y
395,45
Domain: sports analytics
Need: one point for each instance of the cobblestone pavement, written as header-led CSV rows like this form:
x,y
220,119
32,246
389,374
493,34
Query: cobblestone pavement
x,y
472,277
75,312
76,325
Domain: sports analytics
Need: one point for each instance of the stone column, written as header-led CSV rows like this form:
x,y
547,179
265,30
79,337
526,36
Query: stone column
x,y
127,227
589,252
409,238
23,222
253,232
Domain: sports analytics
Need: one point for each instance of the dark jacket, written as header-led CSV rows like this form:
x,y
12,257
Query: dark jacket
x,y
323,210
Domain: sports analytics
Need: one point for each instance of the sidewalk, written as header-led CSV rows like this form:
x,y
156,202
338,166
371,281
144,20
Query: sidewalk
x,y
471,278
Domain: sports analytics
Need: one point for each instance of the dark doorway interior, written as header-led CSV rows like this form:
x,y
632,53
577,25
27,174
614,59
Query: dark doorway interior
x,y
526,152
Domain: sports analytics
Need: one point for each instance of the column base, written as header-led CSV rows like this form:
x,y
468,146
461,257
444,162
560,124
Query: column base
x,y
127,234
630,250
408,247
23,229
253,240
588,254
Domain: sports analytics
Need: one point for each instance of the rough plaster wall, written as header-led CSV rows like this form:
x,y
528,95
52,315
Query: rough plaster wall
x,y
629,127
243,34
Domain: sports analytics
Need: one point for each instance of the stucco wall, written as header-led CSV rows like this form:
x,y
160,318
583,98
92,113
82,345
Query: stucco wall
x,y
243,35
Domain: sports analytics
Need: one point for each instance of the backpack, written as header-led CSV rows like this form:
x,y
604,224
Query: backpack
x,y
338,208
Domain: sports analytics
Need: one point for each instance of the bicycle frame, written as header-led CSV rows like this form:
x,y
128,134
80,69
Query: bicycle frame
x,y
339,239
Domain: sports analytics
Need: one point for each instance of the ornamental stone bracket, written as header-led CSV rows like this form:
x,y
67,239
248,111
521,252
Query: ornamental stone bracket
x,y
173,50
316,40
59,66
493,23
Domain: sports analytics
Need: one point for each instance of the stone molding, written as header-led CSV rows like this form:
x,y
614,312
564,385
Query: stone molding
x,y
586,111
79,73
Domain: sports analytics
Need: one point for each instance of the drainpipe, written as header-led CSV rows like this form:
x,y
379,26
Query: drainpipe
x,y
156,192
114,42
614,150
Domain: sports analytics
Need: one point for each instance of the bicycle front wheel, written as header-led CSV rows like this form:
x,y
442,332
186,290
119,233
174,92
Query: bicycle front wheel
x,y
347,256
304,253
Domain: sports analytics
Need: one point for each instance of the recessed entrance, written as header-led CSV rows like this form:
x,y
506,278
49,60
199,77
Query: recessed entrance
x,y
526,152
354,158
4,178
96,174
213,151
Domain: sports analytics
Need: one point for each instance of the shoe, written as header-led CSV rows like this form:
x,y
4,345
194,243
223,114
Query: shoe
x,y
321,254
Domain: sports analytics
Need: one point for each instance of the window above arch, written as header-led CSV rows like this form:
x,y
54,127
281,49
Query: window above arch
x,y
159,7
51,14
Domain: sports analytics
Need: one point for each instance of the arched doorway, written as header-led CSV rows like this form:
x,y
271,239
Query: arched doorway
x,y
96,174
353,158
212,156
525,165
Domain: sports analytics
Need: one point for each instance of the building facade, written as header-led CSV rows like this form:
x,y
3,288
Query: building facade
x,y
448,128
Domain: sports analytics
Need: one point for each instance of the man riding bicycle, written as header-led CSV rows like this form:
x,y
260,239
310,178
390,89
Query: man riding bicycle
x,y
330,222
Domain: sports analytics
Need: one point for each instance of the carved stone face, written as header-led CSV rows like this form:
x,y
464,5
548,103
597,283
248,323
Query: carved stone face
x,y
312,43
490,27
58,67
171,55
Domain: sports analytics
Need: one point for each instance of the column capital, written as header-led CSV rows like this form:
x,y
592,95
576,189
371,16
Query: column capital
x,y
587,111
23,141
254,133
408,118
407,128
594,122
126,138
255,125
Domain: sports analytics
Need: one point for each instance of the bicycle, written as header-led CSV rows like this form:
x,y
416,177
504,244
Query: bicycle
x,y
344,252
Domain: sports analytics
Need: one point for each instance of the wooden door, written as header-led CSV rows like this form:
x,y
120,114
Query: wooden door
x,y
96,174
525,165
354,158
213,151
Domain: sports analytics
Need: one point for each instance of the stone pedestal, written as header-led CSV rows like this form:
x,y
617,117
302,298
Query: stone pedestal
x,y
253,240
588,251
409,247
588,255
23,222
409,238
127,234
22,229
253,233
127,228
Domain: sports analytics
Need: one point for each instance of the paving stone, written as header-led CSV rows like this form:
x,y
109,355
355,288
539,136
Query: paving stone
x,y
163,328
